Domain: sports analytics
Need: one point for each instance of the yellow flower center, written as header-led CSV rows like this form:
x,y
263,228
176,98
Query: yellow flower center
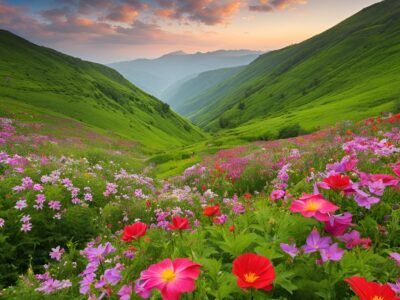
x,y
168,275
250,277
312,206
378,298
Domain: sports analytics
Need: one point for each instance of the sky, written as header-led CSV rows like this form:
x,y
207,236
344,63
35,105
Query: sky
x,y
114,30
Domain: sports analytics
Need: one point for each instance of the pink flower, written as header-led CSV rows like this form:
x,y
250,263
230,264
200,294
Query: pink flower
x,y
292,250
125,292
333,253
315,242
395,256
56,253
277,194
171,278
21,204
314,206
2,222
338,224
353,239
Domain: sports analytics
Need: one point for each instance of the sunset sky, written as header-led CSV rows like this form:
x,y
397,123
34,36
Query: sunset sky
x,y
108,31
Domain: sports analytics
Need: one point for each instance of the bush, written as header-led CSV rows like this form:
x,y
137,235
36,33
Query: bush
x,y
290,131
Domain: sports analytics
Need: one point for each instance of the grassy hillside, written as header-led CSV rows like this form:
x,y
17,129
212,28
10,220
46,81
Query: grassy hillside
x,y
182,95
90,93
351,71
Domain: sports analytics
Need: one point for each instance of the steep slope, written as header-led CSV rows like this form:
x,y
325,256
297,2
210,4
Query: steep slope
x,y
180,95
88,92
156,75
351,71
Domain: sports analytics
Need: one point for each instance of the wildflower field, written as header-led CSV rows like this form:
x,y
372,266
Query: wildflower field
x,y
311,217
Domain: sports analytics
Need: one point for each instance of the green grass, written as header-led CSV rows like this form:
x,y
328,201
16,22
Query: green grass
x,y
89,93
348,72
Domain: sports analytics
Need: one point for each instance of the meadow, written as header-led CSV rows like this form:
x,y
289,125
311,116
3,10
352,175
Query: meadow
x,y
310,217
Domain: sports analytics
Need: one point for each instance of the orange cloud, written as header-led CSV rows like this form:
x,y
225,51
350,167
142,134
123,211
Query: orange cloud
x,y
122,13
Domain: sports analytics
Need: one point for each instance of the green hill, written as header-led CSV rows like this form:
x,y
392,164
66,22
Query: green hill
x,y
182,95
91,93
351,71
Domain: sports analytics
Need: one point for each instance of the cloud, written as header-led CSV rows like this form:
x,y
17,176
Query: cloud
x,y
122,13
209,12
273,5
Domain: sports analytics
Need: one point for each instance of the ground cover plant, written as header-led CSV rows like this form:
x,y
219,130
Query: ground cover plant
x,y
310,217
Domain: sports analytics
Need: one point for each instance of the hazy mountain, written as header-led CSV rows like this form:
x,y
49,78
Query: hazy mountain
x,y
182,95
156,75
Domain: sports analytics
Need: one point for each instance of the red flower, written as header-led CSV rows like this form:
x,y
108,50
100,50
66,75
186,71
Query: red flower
x,y
179,223
232,228
253,271
371,290
338,182
134,231
247,196
211,211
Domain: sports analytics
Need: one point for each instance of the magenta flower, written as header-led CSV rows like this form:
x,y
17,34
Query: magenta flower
x,y
363,199
26,227
141,290
21,204
338,224
56,253
333,252
353,239
292,249
277,194
314,242
55,205
171,278
314,206
2,222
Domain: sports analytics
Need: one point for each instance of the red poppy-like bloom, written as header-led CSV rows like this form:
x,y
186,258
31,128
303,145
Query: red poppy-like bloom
x,y
179,223
338,182
253,271
366,290
134,231
211,211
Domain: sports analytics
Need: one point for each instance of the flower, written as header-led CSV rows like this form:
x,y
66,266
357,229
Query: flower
x,y
253,271
395,286
338,224
97,255
353,239
292,250
171,278
2,222
314,206
371,290
277,194
125,292
314,242
134,231
56,253
111,276
141,290
179,223
211,211
396,257
337,182
333,253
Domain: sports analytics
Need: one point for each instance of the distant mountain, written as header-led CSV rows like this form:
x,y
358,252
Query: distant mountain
x,y
156,75
182,95
351,71
91,93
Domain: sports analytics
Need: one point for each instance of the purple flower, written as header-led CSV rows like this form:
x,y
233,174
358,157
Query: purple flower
x,y
97,255
333,253
2,222
129,254
55,205
292,249
363,199
56,253
125,292
395,286
51,285
26,227
277,194
396,257
85,283
314,242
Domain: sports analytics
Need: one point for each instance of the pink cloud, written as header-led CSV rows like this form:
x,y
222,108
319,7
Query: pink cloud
x,y
122,13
